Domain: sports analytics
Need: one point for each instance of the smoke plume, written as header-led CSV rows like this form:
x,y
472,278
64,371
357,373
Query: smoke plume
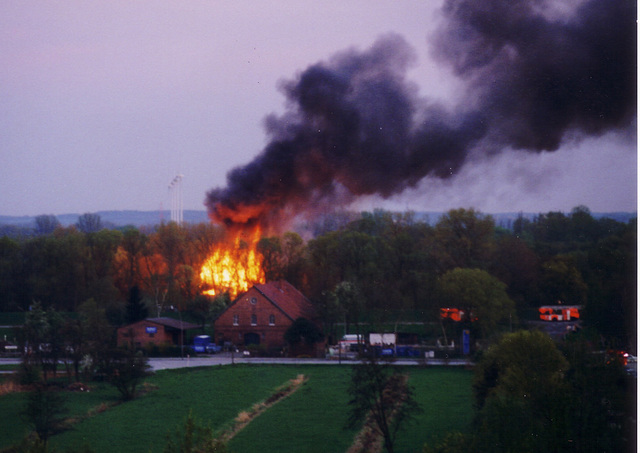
x,y
355,126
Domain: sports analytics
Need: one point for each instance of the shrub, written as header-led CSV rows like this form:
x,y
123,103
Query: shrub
x,y
43,411
28,374
194,438
126,371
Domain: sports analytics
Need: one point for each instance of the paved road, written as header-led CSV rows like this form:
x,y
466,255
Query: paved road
x,y
226,359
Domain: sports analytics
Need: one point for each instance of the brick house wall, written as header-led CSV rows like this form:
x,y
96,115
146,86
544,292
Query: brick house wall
x,y
262,315
153,331
253,314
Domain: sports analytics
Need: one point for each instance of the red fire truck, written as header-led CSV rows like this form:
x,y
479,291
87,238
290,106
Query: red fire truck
x,y
560,312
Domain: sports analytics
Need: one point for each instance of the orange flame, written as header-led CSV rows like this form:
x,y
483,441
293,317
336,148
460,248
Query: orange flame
x,y
234,266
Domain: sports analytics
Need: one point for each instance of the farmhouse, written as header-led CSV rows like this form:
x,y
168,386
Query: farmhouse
x,y
154,331
262,315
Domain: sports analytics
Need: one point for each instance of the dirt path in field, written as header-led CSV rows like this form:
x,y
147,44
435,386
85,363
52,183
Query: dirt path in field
x,y
246,417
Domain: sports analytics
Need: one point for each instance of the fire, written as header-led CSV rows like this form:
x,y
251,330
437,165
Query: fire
x,y
234,266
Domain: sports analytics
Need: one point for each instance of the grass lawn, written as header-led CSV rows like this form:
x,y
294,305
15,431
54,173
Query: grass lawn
x,y
12,429
313,419
446,399
310,420
214,395
78,404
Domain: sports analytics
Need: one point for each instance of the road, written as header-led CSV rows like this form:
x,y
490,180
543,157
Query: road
x,y
158,364
226,359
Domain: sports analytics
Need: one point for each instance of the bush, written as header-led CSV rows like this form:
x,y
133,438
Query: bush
x,y
28,374
43,411
165,350
194,438
126,371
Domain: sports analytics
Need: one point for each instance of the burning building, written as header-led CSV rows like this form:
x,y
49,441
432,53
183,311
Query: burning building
x,y
234,265
535,77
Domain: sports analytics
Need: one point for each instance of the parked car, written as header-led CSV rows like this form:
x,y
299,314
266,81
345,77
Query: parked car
x,y
202,345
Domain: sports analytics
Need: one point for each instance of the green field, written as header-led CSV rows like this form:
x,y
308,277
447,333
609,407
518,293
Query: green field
x,y
310,420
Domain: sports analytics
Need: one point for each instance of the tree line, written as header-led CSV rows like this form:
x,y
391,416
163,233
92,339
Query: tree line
x,y
367,267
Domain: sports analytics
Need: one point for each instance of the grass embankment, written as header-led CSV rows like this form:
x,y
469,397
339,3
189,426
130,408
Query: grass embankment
x,y
311,419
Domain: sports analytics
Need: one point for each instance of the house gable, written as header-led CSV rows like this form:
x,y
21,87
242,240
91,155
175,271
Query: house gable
x,y
253,309
288,299
262,315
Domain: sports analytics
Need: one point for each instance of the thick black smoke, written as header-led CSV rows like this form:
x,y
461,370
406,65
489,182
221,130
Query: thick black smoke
x,y
537,78
356,126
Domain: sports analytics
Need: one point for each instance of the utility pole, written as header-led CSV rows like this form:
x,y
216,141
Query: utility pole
x,y
175,190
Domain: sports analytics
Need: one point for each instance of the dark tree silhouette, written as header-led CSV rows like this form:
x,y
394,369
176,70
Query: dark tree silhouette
x,y
136,309
381,396
43,411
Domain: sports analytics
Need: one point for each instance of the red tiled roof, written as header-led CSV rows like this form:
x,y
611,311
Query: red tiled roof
x,y
173,323
286,297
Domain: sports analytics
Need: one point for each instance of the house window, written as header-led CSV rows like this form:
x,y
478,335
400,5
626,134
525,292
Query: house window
x,y
236,320
254,320
272,320
254,301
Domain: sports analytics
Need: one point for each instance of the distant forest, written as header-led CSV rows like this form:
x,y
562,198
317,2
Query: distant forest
x,y
353,267
26,225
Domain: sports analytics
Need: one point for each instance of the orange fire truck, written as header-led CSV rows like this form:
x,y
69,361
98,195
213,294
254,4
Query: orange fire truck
x,y
455,314
560,312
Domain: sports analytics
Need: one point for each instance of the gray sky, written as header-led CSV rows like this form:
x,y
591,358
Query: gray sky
x,y
103,103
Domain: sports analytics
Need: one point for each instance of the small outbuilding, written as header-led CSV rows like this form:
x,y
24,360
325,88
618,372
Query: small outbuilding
x,y
155,332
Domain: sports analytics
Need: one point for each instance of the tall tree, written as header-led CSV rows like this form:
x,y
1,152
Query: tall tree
x,y
33,334
53,269
100,252
293,258
271,250
346,299
136,310
127,261
611,278
11,266
479,295
43,411
303,330
518,266
46,224
604,419
169,241
562,282
89,223
73,334
98,336
521,379
464,238
381,395
41,339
